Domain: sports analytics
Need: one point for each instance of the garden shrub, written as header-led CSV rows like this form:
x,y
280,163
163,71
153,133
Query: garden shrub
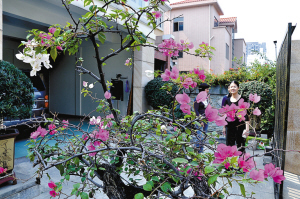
x,y
156,96
261,89
16,92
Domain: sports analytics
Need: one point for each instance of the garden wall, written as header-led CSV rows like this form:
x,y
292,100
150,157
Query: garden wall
x,y
292,159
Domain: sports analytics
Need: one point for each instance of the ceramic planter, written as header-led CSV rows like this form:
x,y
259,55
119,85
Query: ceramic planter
x,y
7,154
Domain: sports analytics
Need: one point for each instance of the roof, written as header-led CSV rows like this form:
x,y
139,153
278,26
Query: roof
x,y
192,3
228,20
187,1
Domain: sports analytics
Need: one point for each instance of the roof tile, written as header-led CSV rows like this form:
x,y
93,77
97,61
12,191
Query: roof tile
x,y
187,1
228,20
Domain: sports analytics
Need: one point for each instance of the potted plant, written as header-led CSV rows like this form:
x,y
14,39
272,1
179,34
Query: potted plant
x,y
263,90
16,103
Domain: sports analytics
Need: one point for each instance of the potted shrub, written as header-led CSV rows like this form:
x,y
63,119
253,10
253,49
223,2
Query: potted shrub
x,y
16,93
264,91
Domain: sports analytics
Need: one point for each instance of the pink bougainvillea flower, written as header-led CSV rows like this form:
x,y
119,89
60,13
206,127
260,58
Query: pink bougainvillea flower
x,y
65,123
59,48
246,164
183,98
35,134
241,115
227,165
243,105
175,73
269,169
84,84
256,111
175,128
97,143
128,62
186,108
107,95
165,77
85,137
191,45
156,14
188,82
102,134
257,175
254,98
211,114
274,173
52,128
201,96
42,131
221,121
182,41
126,136
201,75
52,185
52,30
53,193
91,148
110,116
278,176
223,151
2,170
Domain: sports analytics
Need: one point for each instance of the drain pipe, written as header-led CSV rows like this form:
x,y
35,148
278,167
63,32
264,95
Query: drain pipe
x,y
209,23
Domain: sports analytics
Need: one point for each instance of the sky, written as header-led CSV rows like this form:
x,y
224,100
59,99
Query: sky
x,y
263,20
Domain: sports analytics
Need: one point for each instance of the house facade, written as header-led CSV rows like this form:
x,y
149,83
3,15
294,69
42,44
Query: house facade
x,y
200,21
64,83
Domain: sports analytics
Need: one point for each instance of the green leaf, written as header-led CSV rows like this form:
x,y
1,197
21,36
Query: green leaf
x,y
67,177
147,187
139,196
212,179
53,53
76,186
92,173
188,131
155,178
87,2
242,187
166,186
84,195
83,179
56,33
180,160
101,37
194,163
209,169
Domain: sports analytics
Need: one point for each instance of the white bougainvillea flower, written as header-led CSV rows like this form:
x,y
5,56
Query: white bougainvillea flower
x,y
20,56
91,86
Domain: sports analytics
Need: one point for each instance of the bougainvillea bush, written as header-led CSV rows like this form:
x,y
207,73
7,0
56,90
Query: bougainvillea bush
x,y
145,155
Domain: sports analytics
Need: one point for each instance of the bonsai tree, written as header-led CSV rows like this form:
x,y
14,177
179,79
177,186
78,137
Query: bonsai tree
x,y
16,92
136,146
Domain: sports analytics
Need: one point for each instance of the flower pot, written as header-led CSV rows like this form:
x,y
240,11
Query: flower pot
x,y
7,154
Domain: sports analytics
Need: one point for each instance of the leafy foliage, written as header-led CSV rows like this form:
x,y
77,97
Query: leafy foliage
x,y
16,92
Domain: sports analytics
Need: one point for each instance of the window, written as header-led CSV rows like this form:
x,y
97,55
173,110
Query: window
x,y
216,22
180,54
178,24
227,51
159,21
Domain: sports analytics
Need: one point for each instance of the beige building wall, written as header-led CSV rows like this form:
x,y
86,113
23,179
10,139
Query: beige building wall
x,y
198,28
239,51
292,159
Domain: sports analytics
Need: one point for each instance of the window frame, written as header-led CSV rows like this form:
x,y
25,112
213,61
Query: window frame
x,y
178,22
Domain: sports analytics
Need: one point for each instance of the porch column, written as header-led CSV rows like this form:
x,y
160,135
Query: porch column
x,y
143,60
